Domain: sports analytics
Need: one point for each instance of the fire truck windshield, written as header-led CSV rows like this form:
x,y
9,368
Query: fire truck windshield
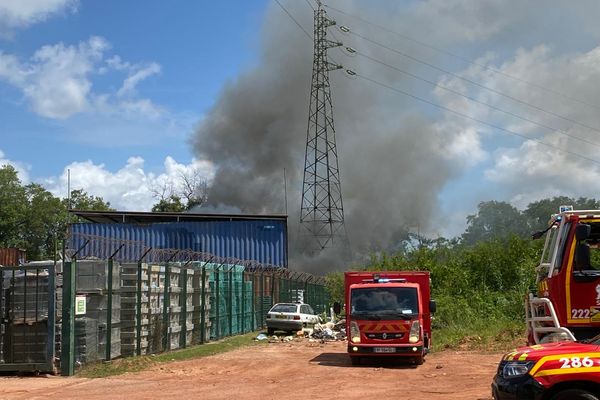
x,y
592,264
384,303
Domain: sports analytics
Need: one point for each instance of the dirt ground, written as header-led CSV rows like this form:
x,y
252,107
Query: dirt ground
x,y
294,370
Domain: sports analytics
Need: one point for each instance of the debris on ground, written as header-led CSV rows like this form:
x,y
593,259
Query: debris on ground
x,y
328,331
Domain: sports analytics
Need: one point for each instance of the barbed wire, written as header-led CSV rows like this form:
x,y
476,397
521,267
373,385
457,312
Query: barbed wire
x,y
127,250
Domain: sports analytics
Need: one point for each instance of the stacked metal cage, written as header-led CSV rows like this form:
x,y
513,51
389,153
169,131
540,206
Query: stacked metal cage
x,y
92,281
27,334
25,307
170,307
134,307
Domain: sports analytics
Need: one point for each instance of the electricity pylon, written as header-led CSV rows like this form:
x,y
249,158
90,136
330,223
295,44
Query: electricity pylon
x,y
322,210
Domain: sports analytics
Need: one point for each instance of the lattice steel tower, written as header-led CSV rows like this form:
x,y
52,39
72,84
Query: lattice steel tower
x,y
322,212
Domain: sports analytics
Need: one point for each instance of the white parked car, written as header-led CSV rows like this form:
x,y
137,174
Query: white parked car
x,y
290,317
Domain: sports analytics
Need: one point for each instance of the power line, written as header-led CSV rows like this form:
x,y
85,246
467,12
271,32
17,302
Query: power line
x,y
561,131
493,126
466,116
294,19
464,59
470,81
310,4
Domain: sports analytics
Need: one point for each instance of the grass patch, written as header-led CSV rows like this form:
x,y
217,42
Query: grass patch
x,y
482,335
136,364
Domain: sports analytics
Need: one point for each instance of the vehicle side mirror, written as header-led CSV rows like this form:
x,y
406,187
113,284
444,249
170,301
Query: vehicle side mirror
x,y
337,308
582,232
582,257
432,306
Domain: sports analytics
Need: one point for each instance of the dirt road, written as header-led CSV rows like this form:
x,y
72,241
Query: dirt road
x,y
296,370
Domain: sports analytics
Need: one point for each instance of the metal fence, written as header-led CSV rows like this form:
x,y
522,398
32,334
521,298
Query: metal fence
x,y
60,316
27,322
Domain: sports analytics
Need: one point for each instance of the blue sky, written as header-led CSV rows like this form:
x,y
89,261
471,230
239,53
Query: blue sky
x,y
114,91
197,47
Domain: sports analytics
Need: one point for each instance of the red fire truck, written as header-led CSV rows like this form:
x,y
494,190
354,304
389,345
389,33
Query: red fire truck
x,y
550,371
563,317
567,303
388,314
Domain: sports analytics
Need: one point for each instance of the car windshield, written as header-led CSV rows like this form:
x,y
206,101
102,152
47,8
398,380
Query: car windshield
x,y
381,302
289,308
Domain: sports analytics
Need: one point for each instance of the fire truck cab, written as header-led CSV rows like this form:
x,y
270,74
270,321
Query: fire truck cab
x,y
388,314
567,303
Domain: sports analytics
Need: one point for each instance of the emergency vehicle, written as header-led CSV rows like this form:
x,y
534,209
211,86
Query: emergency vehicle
x,y
567,303
551,371
388,314
562,361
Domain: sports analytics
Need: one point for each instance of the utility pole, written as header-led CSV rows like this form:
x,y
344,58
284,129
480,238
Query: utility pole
x,y
322,210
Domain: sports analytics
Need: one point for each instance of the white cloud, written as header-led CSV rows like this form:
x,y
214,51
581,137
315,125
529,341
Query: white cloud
x,y
57,81
463,144
533,170
131,82
22,169
130,187
23,13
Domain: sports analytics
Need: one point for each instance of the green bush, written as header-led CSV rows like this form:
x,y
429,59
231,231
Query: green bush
x,y
480,289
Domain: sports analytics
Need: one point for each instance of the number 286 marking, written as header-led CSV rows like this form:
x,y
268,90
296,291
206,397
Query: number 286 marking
x,y
580,313
576,362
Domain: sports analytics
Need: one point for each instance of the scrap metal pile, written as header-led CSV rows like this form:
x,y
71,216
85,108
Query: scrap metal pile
x,y
328,331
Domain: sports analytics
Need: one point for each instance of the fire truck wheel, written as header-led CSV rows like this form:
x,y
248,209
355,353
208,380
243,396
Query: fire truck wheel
x,y
574,394
355,360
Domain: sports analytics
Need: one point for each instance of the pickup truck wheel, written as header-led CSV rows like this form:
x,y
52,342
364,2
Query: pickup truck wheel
x,y
355,360
419,360
574,394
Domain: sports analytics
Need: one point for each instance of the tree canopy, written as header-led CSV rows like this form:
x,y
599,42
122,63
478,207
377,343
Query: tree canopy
x,y
32,218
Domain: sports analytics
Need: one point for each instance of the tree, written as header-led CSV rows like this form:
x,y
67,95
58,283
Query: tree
x,y
172,204
13,205
80,200
494,220
189,190
32,218
539,212
194,188
44,216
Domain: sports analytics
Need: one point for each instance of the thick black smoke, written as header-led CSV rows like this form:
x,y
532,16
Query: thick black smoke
x,y
392,158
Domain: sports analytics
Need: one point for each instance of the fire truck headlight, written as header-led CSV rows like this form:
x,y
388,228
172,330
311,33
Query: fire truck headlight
x,y
415,332
354,332
516,368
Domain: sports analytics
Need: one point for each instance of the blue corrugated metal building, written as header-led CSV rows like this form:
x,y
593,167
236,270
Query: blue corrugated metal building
x,y
259,238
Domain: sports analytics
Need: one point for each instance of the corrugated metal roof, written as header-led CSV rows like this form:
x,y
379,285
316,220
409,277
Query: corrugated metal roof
x,y
12,256
262,240
139,217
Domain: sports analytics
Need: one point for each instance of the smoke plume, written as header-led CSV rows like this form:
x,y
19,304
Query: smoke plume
x,y
393,160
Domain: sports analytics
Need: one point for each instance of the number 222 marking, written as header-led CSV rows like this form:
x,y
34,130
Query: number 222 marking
x,y
580,313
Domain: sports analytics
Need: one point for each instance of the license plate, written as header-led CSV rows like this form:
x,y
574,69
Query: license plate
x,y
384,349
281,316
